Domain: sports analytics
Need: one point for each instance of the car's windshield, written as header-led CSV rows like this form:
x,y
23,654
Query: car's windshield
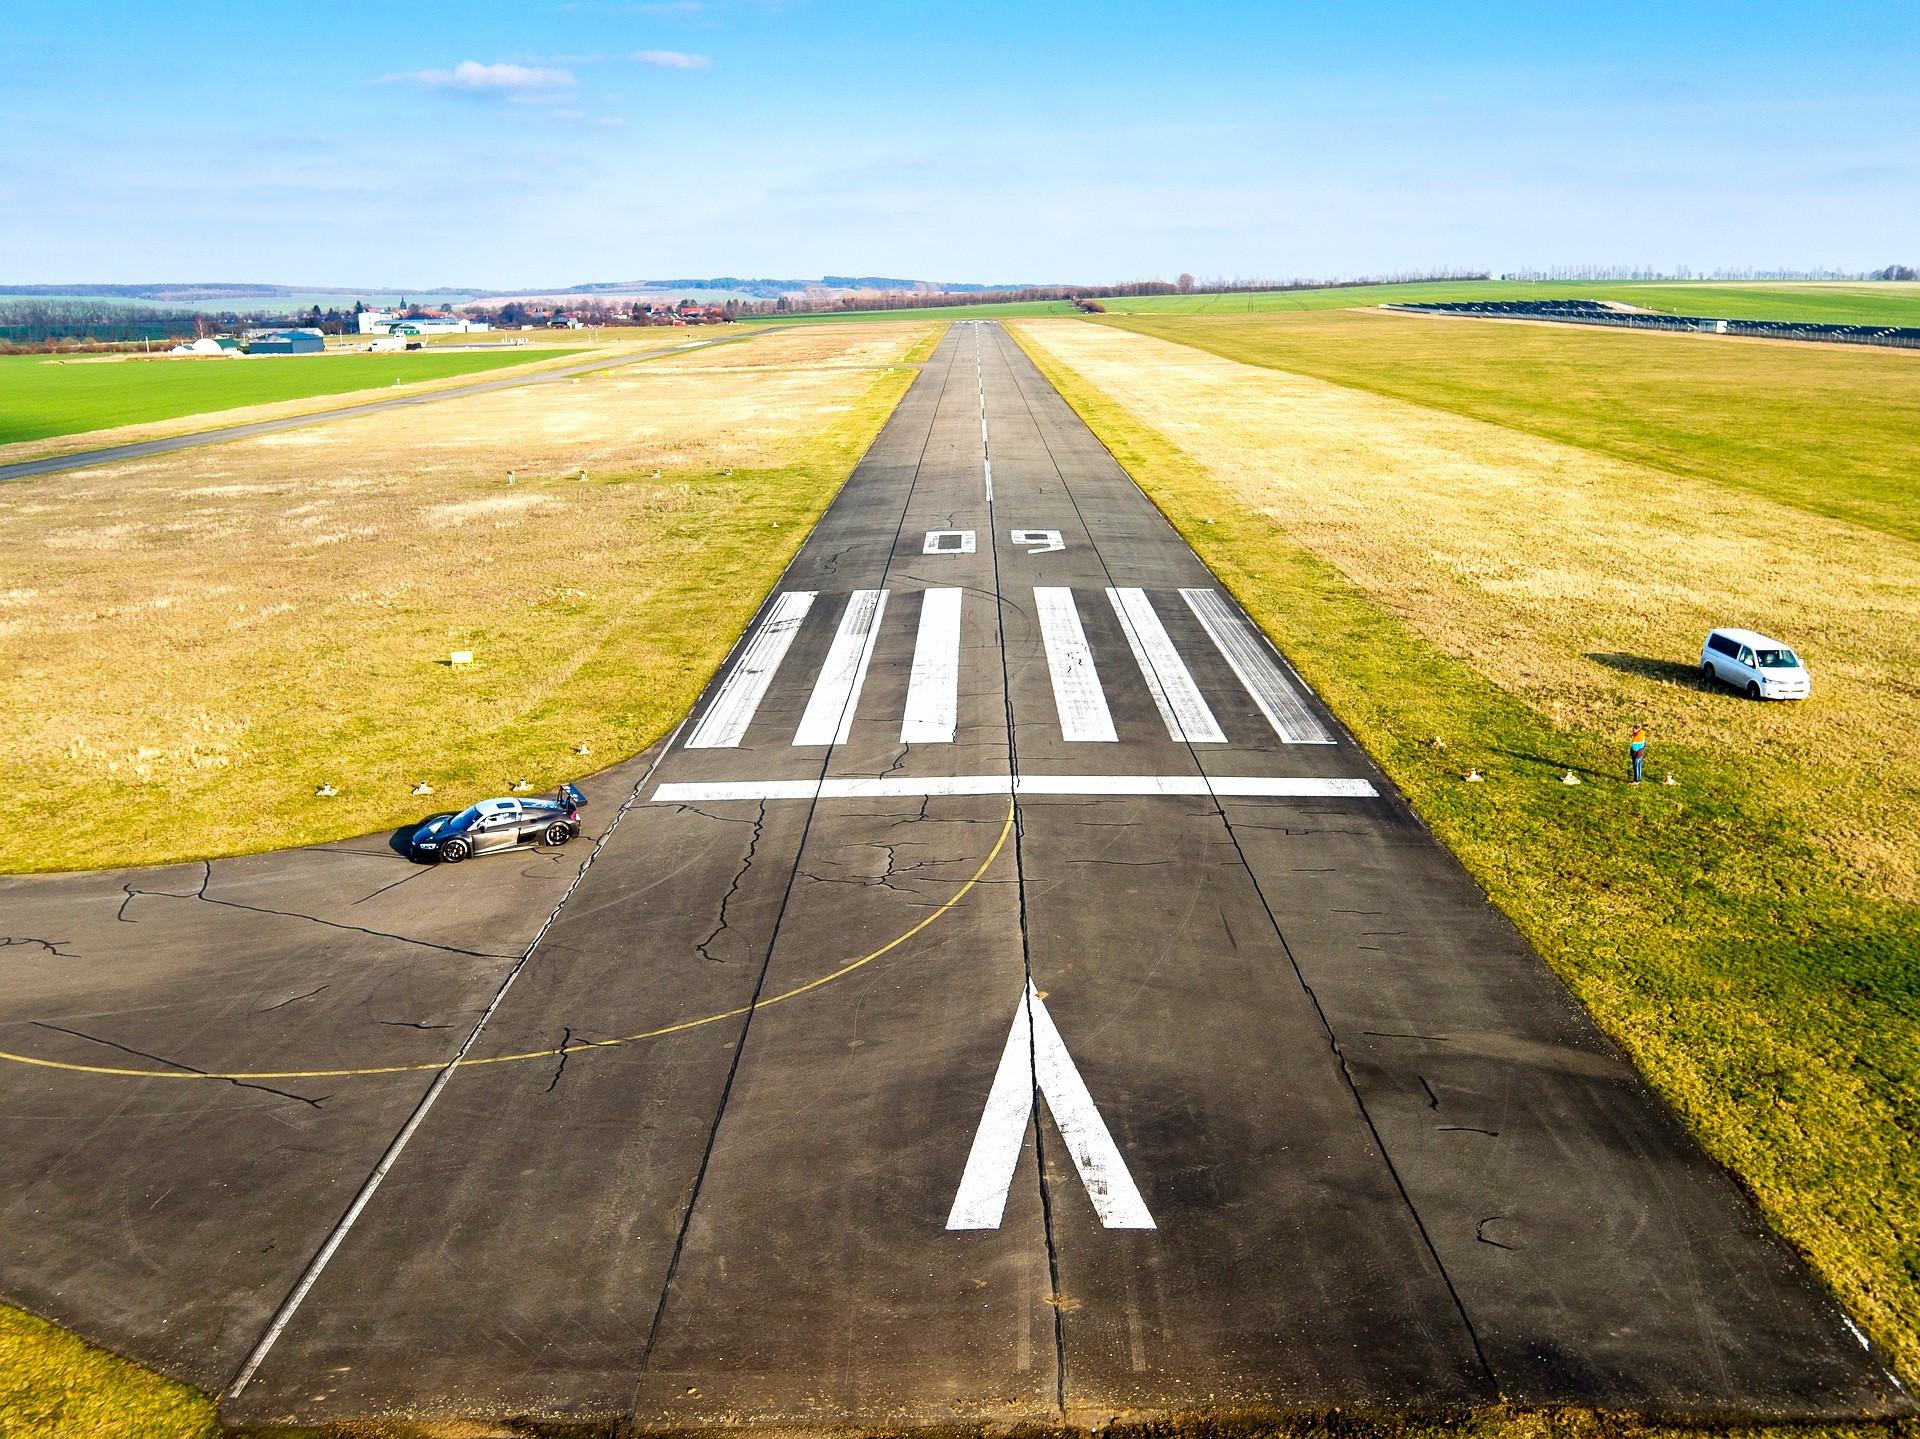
x,y
1777,660
466,817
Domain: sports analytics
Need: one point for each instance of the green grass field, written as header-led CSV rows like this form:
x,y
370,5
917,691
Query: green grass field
x,y
1853,303
1782,421
1730,933
42,396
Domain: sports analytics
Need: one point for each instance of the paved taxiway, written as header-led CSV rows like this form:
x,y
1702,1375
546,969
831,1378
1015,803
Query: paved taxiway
x,y
999,808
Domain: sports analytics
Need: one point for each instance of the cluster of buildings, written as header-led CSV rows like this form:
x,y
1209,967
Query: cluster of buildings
x,y
417,324
256,342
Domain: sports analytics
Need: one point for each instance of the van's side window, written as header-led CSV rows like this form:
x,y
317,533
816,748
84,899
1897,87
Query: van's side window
x,y
1720,644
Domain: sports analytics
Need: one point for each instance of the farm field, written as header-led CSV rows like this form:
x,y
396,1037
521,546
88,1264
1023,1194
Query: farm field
x,y
1888,303
48,396
295,596
1471,594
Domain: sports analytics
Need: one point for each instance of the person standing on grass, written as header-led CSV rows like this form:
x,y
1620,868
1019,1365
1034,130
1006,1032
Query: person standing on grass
x,y
1637,748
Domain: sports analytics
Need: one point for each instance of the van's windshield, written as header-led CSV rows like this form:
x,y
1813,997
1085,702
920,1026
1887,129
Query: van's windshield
x,y
1777,659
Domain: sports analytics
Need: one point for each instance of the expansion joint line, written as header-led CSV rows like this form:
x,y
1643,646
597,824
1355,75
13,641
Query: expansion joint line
x,y
786,898
1326,1024
1026,951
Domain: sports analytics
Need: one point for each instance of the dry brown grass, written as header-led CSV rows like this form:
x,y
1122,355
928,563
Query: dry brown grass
x,y
1537,561
192,643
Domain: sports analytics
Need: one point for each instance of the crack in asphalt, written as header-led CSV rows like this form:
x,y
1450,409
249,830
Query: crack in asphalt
x,y
51,946
746,863
404,879
295,1000
178,1064
566,1045
201,895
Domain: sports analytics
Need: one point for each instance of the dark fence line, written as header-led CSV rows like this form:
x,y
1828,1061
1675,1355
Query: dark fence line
x,y
1593,312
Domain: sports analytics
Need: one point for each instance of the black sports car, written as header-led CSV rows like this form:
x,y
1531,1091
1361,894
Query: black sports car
x,y
499,824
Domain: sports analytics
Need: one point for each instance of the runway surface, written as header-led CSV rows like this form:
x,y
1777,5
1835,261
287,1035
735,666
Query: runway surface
x,y
1009,996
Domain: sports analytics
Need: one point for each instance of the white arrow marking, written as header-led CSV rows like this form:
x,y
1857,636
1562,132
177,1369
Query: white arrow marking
x,y
1039,542
1036,1058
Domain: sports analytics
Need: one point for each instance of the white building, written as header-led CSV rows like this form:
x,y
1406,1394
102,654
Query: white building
x,y
389,322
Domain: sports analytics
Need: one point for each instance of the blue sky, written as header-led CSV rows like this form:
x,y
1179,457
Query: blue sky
x,y
528,144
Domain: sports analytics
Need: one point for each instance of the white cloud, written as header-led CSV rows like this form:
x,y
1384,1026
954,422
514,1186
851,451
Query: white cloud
x,y
473,78
672,60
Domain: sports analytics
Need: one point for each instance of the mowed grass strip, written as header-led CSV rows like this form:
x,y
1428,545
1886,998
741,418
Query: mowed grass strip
x,y
1749,935
194,644
1829,429
44,396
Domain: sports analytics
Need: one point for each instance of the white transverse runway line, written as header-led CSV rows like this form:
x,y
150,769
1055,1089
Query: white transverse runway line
x,y
1252,659
1076,684
726,720
1036,1059
933,689
906,787
1166,674
829,713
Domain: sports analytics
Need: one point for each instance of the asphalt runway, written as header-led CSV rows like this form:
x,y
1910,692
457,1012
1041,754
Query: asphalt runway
x,y
999,809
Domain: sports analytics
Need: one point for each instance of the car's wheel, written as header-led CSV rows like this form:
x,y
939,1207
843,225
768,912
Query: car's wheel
x,y
1753,690
454,850
1707,673
557,834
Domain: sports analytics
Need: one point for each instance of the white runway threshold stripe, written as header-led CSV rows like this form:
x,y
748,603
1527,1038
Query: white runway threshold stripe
x,y
725,723
933,688
1028,786
1253,661
836,694
1168,679
1077,695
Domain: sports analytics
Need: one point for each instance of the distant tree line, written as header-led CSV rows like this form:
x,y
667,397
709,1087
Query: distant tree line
x,y
66,324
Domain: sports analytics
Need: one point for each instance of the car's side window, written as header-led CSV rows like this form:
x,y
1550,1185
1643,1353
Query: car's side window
x,y
1746,656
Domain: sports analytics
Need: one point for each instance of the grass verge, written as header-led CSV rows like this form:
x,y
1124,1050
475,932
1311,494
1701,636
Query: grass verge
x,y
1765,993
56,1386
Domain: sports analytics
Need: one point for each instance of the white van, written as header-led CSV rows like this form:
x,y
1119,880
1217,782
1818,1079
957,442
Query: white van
x,y
1761,668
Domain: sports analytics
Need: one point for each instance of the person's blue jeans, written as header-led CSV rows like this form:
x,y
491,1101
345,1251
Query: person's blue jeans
x,y
1639,759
